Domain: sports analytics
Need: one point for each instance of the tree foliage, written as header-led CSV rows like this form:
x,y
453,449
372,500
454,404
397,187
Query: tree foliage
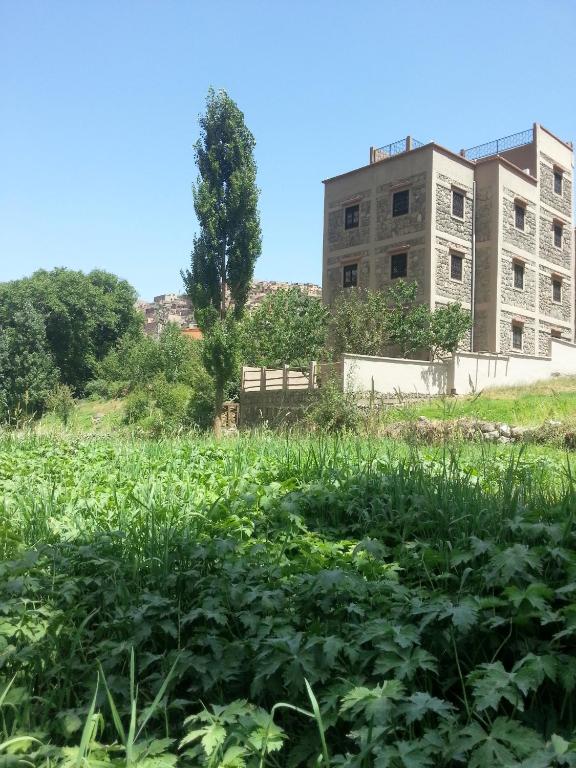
x,y
27,370
225,202
227,246
288,327
83,316
393,322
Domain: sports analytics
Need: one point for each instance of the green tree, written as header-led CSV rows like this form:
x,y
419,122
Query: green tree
x,y
393,322
357,323
27,370
225,250
83,315
288,327
448,326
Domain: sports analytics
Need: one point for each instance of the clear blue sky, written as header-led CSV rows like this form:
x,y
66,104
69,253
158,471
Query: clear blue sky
x,y
99,102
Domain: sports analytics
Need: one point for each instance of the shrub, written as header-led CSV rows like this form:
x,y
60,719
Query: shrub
x,y
333,410
61,402
138,405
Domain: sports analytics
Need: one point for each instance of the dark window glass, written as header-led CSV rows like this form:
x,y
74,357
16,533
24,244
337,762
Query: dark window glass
x,y
558,235
398,265
558,182
350,276
557,290
517,333
456,266
520,216
518,275
401,202
352,217
457,204
556,334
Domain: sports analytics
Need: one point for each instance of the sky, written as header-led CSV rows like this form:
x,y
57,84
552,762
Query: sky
x,y
99,106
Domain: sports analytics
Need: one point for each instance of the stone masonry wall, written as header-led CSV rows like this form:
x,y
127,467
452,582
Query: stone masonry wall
x,y
481,330
338,237
544,335
548,251
549,307
561,203
388,226
529,337
445,222
484,207
416,265
455,290
335,273
516,297
521,239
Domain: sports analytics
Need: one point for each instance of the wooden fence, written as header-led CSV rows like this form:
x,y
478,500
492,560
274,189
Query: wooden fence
x,y
286,378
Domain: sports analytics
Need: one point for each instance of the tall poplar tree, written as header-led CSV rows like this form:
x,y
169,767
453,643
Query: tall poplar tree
x,y
226,248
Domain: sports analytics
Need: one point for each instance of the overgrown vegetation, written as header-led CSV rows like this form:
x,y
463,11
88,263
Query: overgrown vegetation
x,y
271,603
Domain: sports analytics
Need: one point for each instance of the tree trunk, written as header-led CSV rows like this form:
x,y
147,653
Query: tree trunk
x,y
219,400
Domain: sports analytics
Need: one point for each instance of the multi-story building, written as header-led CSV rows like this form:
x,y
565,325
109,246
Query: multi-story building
x,y
490,228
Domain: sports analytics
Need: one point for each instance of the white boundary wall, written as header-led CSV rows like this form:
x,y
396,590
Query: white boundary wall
x,y
390,375
463,373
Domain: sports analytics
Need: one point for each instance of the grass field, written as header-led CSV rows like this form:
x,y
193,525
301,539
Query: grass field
x,y
266,601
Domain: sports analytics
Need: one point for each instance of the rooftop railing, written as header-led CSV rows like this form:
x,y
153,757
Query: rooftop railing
x,y
498,145
395,148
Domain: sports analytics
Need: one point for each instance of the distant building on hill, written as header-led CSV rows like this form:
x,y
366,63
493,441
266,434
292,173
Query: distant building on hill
x,y
177,308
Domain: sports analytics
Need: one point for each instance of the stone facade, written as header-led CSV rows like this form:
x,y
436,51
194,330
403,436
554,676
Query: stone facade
x,y
388,226
446,286
485,236
548,251
507,320
338,236
523,298
561,203
445,221
524,239
558,310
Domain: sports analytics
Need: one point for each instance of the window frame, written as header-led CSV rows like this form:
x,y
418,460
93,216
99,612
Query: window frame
x,y
556,281
518,206
460,257
393,256
518,264
461,194
558,227
401,192
355,220
558,176
518,327
349,267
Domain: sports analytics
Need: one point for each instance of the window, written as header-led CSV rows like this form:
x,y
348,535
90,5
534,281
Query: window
x,y
350,276
558,179
517,334
557,290
352,217
519,275
555,333
519,216
558,235
456,266
457,204
401,202
398,265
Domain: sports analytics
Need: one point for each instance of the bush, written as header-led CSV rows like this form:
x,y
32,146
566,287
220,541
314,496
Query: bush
x,y
138,405
334,410
61,402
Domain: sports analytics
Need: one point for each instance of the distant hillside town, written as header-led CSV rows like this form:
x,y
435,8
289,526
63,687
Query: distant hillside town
x,y
177,308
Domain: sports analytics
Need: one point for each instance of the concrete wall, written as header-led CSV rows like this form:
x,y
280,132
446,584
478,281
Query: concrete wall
x,y
464,373
391,375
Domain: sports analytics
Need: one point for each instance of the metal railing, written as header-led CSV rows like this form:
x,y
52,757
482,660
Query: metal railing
x,y
395,148
498,145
